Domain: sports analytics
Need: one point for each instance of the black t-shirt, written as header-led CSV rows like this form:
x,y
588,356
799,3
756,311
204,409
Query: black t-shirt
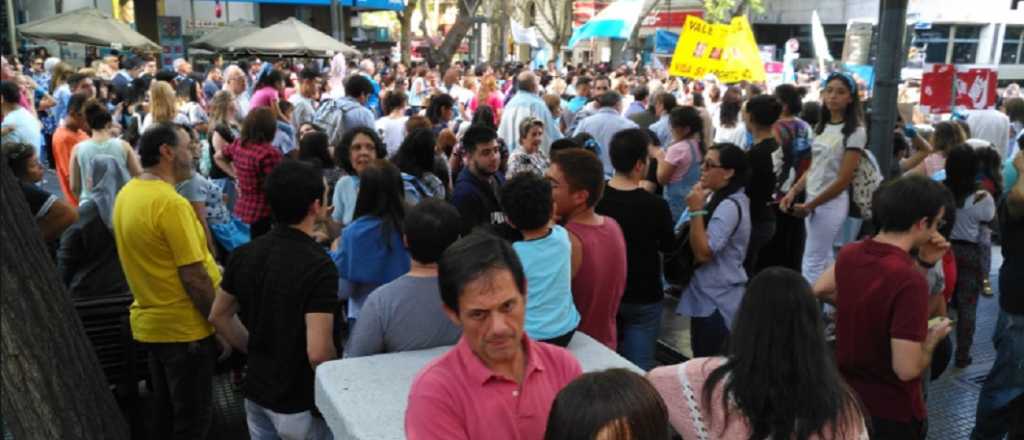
x,y
646,224
228,134
1012,240
762,180
277,279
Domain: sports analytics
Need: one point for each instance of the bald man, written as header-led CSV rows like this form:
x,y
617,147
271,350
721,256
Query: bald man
x,y
527,104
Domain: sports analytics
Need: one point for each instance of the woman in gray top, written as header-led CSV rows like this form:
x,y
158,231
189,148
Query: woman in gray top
x,y
719,245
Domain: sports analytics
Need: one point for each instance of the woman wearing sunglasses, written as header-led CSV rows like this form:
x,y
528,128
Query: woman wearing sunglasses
x,y
719,235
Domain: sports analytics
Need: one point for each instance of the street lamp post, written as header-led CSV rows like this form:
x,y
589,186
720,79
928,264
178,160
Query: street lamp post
x,y
12,36
892,26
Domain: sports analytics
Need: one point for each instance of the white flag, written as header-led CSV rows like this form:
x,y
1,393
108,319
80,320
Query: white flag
x,y
523,35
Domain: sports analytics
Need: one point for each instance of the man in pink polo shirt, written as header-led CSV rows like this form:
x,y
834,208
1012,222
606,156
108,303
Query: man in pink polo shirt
x,y
495,383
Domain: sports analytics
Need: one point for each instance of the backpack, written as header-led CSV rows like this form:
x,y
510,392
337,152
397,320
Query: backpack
x,y
330,117
679,265
866,180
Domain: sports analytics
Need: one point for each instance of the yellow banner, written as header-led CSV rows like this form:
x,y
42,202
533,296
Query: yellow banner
x,y
727,51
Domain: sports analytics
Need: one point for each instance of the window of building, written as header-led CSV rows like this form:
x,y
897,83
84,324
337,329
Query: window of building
x,y
934,42
1012,43
965,44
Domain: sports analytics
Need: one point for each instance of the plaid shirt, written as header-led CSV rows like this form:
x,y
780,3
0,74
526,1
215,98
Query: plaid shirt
x,y
253,162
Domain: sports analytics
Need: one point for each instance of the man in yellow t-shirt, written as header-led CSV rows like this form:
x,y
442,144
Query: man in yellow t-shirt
x,y
173,277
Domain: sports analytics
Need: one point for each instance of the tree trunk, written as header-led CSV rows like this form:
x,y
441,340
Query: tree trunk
x,y
53,387
441,56
405,40
636,44
500,13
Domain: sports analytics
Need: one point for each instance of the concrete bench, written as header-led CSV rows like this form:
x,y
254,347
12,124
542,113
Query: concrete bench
x,y
365,398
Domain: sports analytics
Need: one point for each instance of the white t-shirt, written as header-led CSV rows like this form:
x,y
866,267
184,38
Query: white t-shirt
x,y
736,135
990,125
827,151
392,132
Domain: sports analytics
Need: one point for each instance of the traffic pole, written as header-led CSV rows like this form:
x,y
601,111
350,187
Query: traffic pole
x,y
12,36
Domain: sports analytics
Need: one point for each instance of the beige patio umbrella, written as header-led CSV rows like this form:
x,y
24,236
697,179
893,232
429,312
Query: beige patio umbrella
x,y
290,37
87,26
218,39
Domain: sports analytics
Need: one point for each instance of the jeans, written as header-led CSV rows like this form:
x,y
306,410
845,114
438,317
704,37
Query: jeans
x,y
823,226
1003,391
708,335
638,326
182,378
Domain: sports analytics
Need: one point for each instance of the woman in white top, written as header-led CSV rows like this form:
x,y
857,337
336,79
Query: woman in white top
x,y
839,139
102,142
729,129
391,126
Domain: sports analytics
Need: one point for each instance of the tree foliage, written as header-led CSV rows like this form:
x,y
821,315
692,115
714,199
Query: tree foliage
x,y
724,10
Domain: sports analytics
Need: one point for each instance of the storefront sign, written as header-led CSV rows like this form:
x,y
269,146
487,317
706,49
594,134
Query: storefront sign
x,y
169,30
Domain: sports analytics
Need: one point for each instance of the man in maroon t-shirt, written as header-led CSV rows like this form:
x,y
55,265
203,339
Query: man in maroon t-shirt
x,y
883,338
598,248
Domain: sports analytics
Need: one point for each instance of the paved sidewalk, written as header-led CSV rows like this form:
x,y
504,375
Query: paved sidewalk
x,y
952,398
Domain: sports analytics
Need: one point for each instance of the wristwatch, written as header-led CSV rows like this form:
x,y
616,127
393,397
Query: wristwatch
x,y
926,264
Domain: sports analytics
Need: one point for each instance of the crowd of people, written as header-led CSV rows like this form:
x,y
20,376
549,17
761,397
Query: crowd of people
x,y
282,215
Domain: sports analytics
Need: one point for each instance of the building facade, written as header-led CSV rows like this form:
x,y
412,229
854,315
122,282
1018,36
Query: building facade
x,y
988,33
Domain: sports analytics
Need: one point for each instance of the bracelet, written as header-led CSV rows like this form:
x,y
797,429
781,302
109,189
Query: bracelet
x,y
700,213
926,264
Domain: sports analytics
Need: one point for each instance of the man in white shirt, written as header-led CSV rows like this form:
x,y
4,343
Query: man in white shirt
x,y
991,125
603,124
235,81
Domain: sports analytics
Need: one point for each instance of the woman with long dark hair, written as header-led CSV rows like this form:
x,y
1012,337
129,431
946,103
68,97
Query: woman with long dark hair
x,y
730,128
314,149
441,111
415,159
371,252
719,235
679,167
615,404
777,378
974,208
839,142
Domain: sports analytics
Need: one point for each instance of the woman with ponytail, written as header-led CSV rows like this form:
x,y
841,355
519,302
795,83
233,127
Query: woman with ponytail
x,y
679,165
